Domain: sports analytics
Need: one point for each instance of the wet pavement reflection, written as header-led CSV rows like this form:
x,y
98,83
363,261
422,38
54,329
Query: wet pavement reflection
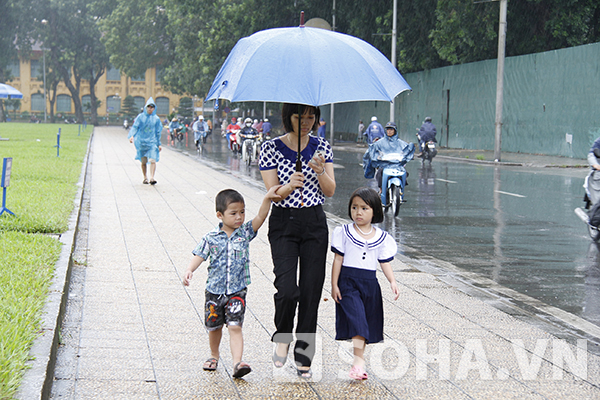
x,y
513,225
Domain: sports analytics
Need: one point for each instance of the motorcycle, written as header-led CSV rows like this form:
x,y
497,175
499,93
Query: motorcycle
x,y
250,147
591,213
429,150
126,125
233,142
393,182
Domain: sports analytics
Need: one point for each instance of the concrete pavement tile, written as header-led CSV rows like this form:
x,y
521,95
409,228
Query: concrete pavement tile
x,y
198,384
118,389
113,369
115,343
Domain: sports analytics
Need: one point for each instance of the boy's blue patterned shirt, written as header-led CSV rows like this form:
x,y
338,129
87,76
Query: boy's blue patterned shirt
x,y
229,260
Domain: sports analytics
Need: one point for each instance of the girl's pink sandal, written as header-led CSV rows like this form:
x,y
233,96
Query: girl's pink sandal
x,y
357,373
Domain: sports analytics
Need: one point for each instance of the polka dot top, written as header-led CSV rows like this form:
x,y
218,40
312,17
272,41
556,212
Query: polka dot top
x,y
274,154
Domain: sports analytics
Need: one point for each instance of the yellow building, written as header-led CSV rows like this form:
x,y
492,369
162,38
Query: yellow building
x,y
111,89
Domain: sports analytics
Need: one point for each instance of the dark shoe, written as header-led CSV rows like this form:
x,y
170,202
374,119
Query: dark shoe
x,y
240,369
304,373
210,364
153,182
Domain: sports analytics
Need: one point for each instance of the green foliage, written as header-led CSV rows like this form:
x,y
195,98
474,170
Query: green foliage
x,y
186,107
129,108
41,191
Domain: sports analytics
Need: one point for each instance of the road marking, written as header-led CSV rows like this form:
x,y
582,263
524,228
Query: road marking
x,y
510,194
445,180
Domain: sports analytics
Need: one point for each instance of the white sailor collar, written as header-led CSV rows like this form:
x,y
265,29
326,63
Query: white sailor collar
x,y
359,241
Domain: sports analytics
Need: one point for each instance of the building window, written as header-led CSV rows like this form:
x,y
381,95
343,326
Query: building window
x,y
63,103
37,102
113,74
113,105
140,102
86,103
14,70
36,69
162,105
160,72
139,79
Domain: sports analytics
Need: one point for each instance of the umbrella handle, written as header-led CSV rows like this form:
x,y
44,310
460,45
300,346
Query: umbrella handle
x,y
298,160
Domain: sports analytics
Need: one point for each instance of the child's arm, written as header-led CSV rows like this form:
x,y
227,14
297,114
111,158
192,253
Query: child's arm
x,y
386,267
265,207
189,272
335,274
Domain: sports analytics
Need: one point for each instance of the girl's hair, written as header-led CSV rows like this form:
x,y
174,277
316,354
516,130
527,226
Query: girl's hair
x,y
290,109
226,197
373,200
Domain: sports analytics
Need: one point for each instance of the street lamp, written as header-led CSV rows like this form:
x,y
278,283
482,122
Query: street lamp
x,y
44,22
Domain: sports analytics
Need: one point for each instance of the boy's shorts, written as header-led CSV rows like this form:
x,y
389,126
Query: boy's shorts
x,y
223,308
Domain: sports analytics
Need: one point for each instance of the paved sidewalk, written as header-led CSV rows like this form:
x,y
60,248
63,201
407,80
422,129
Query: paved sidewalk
x,y
133,331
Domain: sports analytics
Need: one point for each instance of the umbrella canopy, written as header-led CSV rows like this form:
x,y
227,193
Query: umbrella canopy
x,y
306,65
9,92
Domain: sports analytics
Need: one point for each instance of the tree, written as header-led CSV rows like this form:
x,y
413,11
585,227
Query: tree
x,y
186,107
129,109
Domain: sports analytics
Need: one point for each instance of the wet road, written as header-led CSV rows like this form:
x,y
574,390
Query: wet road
x,y
514,225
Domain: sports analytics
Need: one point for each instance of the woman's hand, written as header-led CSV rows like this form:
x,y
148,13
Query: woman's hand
x,y
336,295
296,180
317,164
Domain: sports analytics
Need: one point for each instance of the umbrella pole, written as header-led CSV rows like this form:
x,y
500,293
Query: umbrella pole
x,y
298,160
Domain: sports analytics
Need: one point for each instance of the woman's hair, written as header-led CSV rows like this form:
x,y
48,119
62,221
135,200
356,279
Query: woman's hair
x,y
290,109
373,200
226,197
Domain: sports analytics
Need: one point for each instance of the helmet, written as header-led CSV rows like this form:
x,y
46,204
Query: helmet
x,y
391,125
248,121
427,119
373,118
234,120
255,121
174,119
201,117
266,119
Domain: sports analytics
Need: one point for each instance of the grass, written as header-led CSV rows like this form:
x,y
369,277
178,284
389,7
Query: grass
x,y
41,193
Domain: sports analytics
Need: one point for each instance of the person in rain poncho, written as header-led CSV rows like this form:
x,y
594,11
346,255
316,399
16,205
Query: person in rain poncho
x,y
145,134
374,131
391,143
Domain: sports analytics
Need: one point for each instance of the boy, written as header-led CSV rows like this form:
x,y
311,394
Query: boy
x,y
228,273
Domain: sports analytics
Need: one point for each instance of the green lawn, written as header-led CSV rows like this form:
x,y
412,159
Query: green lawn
x,y
41,194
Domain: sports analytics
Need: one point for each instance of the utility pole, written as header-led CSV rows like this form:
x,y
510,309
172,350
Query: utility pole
x,y
392,111
331,115
500,80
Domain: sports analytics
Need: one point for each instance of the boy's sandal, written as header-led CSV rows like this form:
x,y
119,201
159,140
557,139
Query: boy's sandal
x,y
358,373
304,373
145,181
210,364
153,182
240,369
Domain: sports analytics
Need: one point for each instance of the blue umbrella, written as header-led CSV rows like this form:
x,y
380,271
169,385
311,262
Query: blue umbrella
x,y
306,65
9,92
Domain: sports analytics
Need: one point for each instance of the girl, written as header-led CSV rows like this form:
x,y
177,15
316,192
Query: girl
x,y
354,287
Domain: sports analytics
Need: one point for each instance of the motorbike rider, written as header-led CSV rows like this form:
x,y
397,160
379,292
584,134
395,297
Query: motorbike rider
x,y
426,134
374,131
247,130
391,143
266,128
200,128
173,126
232,129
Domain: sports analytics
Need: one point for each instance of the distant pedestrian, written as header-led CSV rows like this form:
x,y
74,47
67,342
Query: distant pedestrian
x,y
145,134
361,129
227,249
374,131
358,248
321,132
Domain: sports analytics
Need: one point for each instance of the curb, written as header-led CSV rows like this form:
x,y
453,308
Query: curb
x,y
38,378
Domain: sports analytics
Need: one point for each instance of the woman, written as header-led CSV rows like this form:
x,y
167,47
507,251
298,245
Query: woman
x,y
298,230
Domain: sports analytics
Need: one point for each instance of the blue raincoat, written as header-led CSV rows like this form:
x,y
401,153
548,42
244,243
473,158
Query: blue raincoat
x,y
146,131
372,158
